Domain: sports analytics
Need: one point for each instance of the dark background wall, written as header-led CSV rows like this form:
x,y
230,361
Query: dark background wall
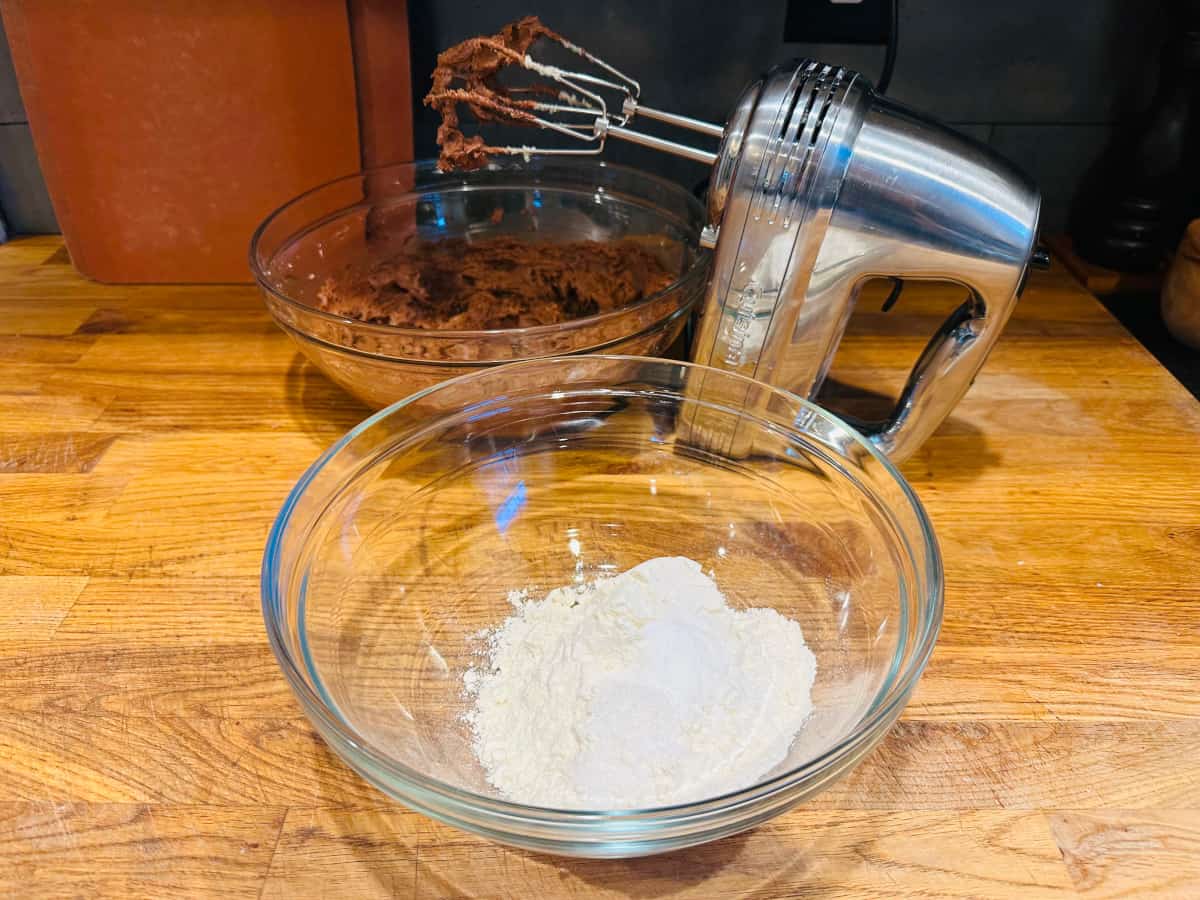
x,y
1044,81
23,199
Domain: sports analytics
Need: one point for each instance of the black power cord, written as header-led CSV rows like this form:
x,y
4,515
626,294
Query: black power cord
x,y
889,59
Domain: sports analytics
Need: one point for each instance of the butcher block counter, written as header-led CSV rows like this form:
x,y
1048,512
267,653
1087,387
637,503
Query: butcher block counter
x,y
149,746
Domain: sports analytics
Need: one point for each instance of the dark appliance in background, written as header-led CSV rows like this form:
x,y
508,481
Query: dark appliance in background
x,y
1137,200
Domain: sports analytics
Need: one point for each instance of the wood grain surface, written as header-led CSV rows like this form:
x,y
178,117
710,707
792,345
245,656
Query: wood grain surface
x,y
149,747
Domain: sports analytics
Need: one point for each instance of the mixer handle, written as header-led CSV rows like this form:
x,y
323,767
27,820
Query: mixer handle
x,y
921,202
943,373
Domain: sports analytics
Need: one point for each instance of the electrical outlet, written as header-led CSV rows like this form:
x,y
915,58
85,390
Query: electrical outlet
x,y
837,21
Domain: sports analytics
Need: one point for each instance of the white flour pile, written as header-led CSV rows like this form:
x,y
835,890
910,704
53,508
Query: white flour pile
x,y
644,689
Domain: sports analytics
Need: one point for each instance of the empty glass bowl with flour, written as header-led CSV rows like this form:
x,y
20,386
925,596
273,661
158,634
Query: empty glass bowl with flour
x,y
692,599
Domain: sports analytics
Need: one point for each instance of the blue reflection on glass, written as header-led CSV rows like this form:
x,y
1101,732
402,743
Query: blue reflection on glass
x,y
507,511
488,413
473,406
537,199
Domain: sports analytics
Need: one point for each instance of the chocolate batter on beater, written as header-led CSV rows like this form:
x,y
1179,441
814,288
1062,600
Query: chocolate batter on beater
x,y
467,74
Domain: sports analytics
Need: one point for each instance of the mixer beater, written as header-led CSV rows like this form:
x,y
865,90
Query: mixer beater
x,y
585,106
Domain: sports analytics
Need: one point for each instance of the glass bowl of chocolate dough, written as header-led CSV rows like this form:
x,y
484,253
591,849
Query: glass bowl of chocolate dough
x,y
395,279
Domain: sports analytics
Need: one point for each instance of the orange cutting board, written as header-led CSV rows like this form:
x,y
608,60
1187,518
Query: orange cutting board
x,y
167,129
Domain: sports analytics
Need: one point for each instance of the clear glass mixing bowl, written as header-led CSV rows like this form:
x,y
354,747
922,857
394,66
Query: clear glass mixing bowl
x,y
364,217
404,539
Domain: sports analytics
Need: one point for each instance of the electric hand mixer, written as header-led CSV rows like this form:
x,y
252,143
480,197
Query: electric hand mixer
x,y
818,185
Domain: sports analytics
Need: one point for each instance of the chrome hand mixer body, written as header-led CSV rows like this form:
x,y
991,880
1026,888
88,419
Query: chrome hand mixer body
x,y
820,184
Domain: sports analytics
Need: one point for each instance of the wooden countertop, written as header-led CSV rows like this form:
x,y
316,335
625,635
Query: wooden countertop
x,y
148,745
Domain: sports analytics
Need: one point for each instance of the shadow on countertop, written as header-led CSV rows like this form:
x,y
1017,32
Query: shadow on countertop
x,y
321,408
941,461
669,874
326,412
1139,312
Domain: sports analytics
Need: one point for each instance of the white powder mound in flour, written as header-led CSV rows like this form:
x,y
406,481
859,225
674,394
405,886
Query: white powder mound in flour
x,y
645,689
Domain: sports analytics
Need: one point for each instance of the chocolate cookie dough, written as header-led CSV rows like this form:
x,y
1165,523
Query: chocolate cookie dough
x,y
467,74
498,282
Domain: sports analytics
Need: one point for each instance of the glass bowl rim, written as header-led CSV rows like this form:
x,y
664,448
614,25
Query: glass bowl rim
x,y
347,738
694,272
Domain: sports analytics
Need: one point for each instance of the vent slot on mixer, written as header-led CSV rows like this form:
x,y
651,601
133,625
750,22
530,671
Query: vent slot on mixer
x,y
822,95
797,158
781,137
796,143
795,101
